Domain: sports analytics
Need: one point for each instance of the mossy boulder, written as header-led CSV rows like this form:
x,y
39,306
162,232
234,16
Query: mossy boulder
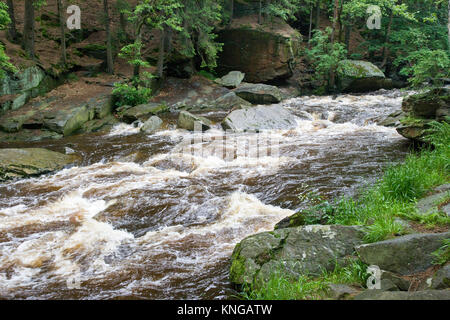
x,y
142,112
421,109
361,76
22,163
306,250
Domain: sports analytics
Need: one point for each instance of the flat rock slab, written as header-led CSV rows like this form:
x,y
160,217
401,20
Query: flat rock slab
x,y
293,251
432,203
231,80
401,295
22,163
259,93
192,122
403,255
143,112
259,118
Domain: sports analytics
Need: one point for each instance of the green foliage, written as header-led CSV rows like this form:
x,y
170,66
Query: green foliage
x,y
5,65
280,287
427,66
324,55
442,255
125,94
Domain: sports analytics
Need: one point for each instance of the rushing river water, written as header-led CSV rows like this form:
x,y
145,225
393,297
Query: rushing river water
x,y
140,219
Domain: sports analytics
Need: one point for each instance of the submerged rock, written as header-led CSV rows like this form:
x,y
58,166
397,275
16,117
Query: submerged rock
x,y
259,118
403,255
22,163
307,250
188,121
259,93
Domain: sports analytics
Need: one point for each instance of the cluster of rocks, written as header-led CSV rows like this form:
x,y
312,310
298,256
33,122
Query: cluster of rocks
x,y
310,250
418,111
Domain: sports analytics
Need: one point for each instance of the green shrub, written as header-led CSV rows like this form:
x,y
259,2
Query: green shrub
x,y
125,94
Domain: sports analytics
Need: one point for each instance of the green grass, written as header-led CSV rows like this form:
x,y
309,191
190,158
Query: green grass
x,y
280,287
442,255
395,194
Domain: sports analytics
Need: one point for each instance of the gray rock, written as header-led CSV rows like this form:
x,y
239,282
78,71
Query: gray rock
x,y
401,295
398,281
231,80
188,121
230,101
388,285
259,118
430,204
142,112
22,163
305,250
152,124
441,279
360,76
68,120
259,93
403,255
340,291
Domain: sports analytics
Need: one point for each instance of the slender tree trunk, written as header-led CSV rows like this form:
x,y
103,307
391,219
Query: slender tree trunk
x,y
161,53
310,24
448,25
12,31
386,40
63,33
317,18
333,36
348,31
109,53
28,29
260,12
341,25
123,26
136,69
232,12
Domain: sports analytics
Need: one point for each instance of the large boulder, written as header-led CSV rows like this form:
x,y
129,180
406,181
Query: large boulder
x,y
231,80
421,109
259,93
403,255
259,118
263,52
151,125
67,121
229,101
22,163
307,250
192,122
361,76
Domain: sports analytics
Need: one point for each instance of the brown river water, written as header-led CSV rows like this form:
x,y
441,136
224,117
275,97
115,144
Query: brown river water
x,y
162,223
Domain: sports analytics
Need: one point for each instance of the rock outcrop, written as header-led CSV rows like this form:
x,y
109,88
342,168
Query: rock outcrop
x,y
306,250
192,122
22,163
231,80
420,109
255,119
262,53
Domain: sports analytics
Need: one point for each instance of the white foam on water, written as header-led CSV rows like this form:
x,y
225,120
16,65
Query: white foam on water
x,y
123,129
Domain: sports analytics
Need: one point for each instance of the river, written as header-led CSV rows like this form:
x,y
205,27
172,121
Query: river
x,y
141,219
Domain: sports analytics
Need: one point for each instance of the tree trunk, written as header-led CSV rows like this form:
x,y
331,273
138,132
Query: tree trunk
x,y
348,31
109,53
136,69
386,39
448,25
63,33
161,53
333,36
317,18
232,12
310,24
12,31
260,12
28,29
